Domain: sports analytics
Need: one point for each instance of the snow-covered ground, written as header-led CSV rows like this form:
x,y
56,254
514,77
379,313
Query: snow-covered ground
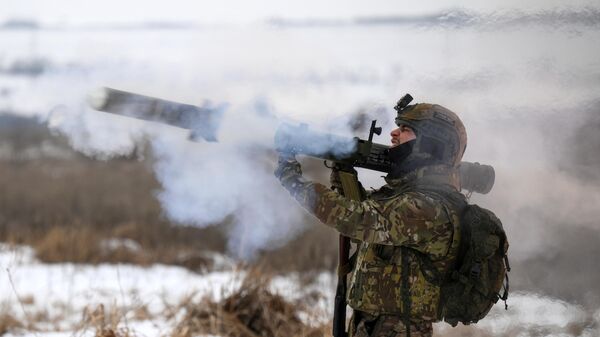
x,y
56,298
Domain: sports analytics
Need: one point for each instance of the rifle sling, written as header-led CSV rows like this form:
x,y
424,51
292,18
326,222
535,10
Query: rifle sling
x,y
347,268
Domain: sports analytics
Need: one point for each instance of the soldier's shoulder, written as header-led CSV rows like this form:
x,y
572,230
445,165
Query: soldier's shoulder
x,y
409,203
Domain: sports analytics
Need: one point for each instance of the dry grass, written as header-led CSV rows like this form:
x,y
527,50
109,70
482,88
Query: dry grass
x,y
66,208
9,323
106,324
251,311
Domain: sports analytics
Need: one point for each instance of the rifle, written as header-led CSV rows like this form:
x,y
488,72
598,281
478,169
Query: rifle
x,y
351,190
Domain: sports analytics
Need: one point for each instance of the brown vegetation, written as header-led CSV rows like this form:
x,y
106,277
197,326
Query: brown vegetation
x,y
251,311
8,323
105,323
65,209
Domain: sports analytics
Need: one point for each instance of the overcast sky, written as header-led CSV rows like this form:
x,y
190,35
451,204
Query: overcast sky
x,y
243,11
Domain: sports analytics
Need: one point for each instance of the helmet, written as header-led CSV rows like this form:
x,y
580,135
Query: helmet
x,y
441,135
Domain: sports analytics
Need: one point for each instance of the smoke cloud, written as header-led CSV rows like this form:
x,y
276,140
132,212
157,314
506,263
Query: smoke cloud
x,y
206,184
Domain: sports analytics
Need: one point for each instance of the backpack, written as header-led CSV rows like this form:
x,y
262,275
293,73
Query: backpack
x,y
473,286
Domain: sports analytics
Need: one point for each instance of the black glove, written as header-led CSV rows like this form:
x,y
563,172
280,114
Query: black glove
x,y
289,171
334,180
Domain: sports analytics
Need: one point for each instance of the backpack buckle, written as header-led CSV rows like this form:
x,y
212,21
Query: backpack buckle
x,y
475,270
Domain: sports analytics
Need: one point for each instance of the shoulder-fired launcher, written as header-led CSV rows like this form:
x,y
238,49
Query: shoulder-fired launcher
x,y
356,152
203,122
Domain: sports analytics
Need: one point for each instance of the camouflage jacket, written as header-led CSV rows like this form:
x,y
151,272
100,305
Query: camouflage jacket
x,y
412,212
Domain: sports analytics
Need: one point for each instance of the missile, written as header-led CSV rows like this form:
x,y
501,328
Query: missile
x,y
202,121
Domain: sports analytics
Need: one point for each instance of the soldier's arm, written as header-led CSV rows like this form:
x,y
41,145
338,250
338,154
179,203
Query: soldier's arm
x,y
336,183
412,219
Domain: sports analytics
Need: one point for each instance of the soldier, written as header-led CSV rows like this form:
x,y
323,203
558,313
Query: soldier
x,y
404,229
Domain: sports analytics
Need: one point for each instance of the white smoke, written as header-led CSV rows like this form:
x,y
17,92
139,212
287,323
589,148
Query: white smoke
x,y
231,181
96,134
206,184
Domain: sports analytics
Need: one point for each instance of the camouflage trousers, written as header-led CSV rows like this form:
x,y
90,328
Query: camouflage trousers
x,y
366,325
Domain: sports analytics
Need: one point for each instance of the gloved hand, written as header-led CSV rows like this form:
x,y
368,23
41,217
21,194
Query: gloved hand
x,y
289,171
335,181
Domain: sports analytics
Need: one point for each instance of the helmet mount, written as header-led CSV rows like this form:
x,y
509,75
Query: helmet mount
x,y
403,102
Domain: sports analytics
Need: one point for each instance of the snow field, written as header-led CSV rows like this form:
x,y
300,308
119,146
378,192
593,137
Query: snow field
x,y
58,295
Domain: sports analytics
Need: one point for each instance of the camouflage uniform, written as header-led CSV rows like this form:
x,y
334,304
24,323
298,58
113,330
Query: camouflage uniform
x,y
367,325
409,214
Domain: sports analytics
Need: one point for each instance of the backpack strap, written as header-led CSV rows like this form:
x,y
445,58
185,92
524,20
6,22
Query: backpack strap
x,y
505,286
429,271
